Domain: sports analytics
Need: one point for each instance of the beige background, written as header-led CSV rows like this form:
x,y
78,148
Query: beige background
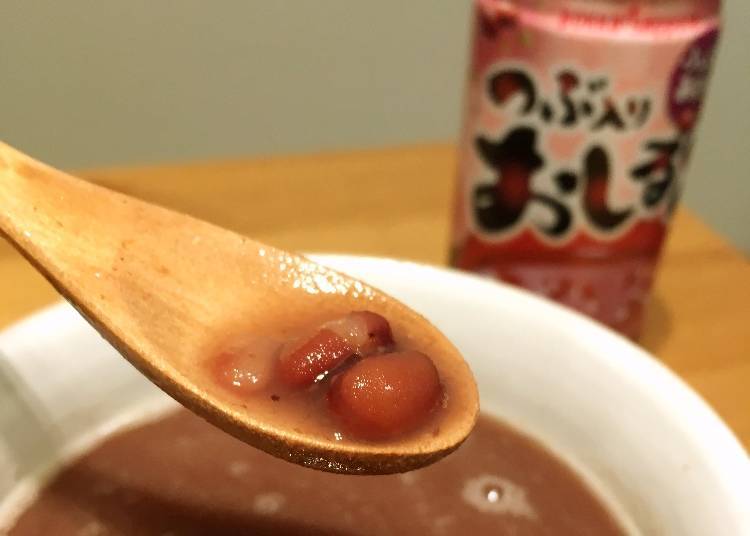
x,y
90,83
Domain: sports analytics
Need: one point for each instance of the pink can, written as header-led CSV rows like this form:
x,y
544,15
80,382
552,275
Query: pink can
x,y
578,124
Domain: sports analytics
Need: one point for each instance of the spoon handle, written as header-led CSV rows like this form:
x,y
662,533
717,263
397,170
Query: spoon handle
x,y
132,269
69,229
45,214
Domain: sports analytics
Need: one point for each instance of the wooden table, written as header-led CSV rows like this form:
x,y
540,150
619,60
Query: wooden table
x,y
396,202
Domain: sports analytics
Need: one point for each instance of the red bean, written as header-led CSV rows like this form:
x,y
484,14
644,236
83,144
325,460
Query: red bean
x,y
386,395
304,364
366,331
245,364
359,332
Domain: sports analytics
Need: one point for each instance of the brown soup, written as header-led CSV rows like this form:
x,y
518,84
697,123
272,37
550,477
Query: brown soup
x,y
180,476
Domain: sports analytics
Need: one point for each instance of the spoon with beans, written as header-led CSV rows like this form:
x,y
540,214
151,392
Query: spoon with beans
x,y
294,358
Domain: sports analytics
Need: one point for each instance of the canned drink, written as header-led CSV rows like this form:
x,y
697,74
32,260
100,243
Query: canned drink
x,y
578,123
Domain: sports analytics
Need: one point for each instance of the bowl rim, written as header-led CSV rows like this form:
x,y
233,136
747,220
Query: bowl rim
x,y
721,451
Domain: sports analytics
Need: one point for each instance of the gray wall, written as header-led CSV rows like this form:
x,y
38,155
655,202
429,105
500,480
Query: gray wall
x,y
90,83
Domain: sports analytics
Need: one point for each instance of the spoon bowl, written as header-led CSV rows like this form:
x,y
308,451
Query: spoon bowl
x,y
163,287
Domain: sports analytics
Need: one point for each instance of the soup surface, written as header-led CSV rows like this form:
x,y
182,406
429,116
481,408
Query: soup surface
x,y
180,476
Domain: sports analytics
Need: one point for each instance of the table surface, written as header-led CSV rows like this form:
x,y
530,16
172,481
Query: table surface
x,y
397,202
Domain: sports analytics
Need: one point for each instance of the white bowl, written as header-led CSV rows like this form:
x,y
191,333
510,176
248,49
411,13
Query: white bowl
x,y
657,453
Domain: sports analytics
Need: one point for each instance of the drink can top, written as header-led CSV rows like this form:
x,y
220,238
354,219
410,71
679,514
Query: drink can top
x,y
632,9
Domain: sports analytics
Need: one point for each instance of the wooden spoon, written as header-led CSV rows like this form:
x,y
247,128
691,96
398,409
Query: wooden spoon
x,y
161,286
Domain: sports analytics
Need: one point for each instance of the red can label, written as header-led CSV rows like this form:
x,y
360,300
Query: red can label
x,y
576,134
